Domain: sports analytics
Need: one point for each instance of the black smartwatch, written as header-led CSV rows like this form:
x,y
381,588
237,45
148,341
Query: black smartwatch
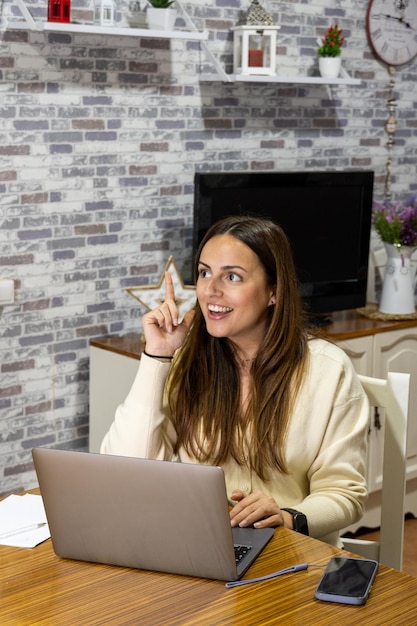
x,y
299,521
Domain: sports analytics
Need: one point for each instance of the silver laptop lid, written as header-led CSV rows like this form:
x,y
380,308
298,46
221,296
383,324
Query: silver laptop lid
x,y
154,515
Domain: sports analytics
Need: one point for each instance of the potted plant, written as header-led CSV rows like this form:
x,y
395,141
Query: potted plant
x,y
396,224
329,52
161,15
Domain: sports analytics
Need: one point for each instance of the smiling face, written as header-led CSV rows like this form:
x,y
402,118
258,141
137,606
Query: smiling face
x,y
233,293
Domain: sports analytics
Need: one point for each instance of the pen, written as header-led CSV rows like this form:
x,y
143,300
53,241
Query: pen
x,y
287,570
23,529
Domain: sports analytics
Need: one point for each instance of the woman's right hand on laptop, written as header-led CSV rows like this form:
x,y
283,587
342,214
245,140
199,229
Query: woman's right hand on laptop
x,y
164,334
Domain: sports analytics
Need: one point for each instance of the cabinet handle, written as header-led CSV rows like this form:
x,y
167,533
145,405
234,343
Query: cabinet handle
x,y
377,420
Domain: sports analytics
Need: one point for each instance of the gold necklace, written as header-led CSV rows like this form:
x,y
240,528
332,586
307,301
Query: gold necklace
x,y
244,363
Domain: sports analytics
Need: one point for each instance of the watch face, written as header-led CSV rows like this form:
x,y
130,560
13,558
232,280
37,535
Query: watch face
x,y
392,30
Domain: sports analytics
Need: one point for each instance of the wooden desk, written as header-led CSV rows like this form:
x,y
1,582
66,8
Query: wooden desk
x,y
38,588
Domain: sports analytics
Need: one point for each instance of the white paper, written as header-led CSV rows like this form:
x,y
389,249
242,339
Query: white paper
x,y
19,518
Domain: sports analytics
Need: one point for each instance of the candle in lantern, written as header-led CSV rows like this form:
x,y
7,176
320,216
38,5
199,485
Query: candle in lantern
x,y
255,58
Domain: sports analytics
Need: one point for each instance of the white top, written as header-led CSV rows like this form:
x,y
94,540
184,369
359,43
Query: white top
x,y
326,443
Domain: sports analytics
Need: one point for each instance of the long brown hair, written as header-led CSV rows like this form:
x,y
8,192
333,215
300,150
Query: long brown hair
x,y
204,385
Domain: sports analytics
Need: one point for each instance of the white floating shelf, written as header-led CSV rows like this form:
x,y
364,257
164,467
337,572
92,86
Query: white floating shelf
x,y
314,80
28,23
345,79
93,29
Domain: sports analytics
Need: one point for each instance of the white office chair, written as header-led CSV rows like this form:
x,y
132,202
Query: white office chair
x,y
391,394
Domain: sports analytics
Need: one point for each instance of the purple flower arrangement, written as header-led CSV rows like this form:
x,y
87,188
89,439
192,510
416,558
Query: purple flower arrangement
x,y
396,222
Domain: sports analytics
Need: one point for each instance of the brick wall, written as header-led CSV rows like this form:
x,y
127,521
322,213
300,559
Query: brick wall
x,y
100,139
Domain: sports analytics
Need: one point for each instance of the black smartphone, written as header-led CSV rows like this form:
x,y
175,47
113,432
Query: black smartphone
x,y
347,580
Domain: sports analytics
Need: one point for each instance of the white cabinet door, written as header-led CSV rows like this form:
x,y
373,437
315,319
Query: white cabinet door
x,y
359,350
111,377
376,355
396,351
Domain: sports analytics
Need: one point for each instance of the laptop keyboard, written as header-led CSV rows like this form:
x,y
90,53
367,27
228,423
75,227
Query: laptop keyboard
x,y
241,551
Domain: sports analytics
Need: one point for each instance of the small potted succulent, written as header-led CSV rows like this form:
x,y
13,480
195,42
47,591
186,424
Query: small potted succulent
x,y
329,52
161,15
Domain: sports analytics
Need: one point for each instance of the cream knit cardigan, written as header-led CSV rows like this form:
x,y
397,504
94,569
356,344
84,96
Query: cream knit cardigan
x,y
326,444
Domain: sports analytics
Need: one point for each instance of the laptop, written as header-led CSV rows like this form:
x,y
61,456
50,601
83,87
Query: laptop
x,y
142,513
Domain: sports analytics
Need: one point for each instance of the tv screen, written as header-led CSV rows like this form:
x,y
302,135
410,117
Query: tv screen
x,y
326,216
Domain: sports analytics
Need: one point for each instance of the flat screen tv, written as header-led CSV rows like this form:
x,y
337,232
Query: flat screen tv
x,y
326,215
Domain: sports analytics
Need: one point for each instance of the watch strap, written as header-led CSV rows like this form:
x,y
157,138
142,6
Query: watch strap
x,y
299,521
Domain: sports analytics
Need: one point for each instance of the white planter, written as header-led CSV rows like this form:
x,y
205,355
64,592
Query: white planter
x,y
135,16
330,66
397,296
161,19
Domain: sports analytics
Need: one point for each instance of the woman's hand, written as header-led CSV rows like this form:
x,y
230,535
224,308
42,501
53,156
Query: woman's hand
x,y
163,332
256,509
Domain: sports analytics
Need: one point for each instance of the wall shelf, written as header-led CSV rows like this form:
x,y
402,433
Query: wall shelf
x,y
92,29
344,79
28,23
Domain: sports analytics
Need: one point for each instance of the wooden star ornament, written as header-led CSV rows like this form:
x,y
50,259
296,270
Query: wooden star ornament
x,y
152,297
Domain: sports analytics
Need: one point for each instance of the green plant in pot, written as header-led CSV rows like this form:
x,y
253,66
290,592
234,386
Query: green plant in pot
x,y
161,15
331,43
161,4
329,52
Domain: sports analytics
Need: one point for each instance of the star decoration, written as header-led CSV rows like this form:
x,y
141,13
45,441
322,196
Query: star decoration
x,y
152,297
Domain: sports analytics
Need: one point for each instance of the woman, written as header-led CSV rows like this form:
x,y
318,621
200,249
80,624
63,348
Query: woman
x,y
281,411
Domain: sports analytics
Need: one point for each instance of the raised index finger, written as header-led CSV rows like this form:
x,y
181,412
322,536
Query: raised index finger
x,y
169,287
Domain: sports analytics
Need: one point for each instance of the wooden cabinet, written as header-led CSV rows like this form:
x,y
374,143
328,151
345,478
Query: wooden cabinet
x,y
397,352
389,347
113,365
359,351
374,348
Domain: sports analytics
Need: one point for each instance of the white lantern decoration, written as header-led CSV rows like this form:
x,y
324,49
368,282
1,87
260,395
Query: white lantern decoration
x,y
254,45
104,12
